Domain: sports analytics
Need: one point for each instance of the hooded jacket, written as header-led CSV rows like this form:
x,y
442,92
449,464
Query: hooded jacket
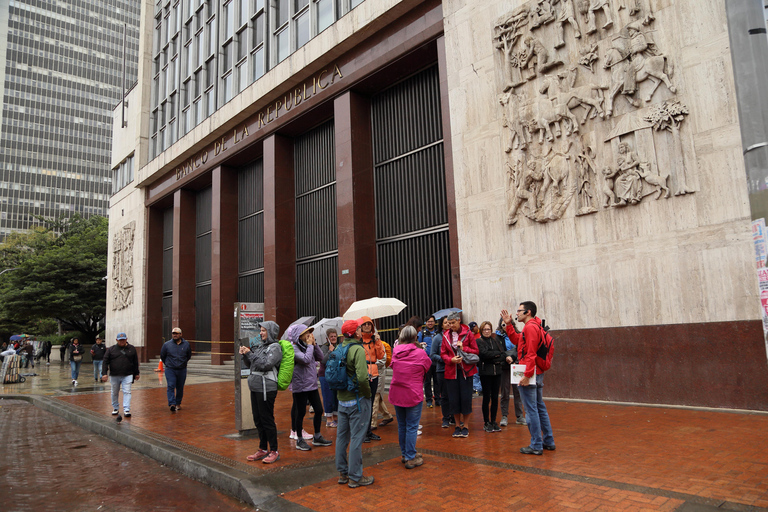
x,y
446,351
374,350
527,343
437,359
264,361
305,360
409,365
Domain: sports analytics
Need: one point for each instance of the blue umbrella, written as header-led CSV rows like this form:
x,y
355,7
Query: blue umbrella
x,y
445,312
17,337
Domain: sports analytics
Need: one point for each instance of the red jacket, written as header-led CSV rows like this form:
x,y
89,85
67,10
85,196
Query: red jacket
x,y
447,353
526,350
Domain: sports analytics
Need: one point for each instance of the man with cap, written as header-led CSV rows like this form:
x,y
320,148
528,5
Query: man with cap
x,y
175,355
354,411
97,354
121,365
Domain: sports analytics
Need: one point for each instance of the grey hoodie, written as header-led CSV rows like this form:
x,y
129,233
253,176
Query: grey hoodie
x,y
264,361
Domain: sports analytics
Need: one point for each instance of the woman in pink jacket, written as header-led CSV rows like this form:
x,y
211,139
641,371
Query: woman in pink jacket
x,y
409,365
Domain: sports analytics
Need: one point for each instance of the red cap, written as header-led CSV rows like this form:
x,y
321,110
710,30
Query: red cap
x,y
349,328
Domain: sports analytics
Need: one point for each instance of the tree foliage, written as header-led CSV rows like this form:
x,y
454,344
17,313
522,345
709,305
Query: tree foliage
x,y
61,276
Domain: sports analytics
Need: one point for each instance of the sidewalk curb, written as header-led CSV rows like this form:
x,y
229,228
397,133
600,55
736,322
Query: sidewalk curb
x,y
224,479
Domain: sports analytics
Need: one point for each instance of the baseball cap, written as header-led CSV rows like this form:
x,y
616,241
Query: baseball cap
x,y
349,328
122,336
176,329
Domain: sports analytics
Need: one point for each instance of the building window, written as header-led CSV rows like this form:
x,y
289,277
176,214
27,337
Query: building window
x,y
122,175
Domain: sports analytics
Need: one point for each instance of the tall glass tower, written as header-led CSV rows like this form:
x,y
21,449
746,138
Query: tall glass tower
x,y
61,76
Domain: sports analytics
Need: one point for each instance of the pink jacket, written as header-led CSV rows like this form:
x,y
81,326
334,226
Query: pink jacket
x,y
409,365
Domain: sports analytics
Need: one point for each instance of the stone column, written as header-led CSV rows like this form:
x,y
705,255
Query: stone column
x,y
355,215
223,262
279,231
183,310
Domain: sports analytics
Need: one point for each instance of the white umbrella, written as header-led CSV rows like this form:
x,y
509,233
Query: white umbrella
x,y
323,325
375,307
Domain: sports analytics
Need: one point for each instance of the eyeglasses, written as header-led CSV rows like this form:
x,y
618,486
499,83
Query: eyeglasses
x,y
521,310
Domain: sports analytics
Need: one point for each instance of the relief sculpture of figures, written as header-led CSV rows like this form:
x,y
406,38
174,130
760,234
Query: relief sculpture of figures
x,y
632,59
518,137
561,89
588,8
535,58
585,163
542,14
526,186
668,116
588,57
506,34
628,184
556,190
122,267
565,14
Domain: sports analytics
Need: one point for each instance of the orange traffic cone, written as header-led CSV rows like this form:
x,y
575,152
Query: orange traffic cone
x,y
159,367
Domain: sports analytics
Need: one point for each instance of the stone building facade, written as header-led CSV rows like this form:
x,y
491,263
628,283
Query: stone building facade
x,y
583,154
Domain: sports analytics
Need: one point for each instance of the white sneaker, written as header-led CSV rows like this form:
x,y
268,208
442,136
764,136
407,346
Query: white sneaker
x,y
114,412
293,435
306,435
419,433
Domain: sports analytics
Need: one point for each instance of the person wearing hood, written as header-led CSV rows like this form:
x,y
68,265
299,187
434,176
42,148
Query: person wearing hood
x,y
458,374
528,343
374,355
409,366
304,384
264,361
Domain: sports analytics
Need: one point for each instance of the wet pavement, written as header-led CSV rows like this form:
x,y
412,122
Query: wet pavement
x,y
608,457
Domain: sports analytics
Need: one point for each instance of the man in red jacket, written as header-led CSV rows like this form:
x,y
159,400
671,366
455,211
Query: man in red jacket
x,y
527,343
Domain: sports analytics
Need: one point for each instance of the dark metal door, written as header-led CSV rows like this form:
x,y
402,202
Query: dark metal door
x,y
317,284
167,286
412,236
203,225
250,205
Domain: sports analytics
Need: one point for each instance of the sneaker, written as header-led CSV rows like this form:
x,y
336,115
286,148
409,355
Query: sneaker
x,y
457,432
504,422
445,424
465,432
74,382
293,435
366,439
549,447
321,441
272,457
521,421
178,407
306,435
419,432
488,426
331,424
173,408
258,455
496,427
302,445
452,421
415,462
375,437
127,414
429,404
366,480
343,478
115,412
311,410
386,422
530,451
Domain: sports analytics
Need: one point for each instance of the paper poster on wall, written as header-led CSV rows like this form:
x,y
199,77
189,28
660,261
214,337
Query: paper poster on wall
x,y
761,243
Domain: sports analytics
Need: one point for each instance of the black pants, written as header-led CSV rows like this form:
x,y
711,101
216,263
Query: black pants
x,y
264,417
430,383
491,384
374,387
443,399
300,404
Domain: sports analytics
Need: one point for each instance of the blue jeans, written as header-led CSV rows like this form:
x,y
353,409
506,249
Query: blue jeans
x,y
407,429
330,403
476,385
353,424
124,382
97,369
536,414
175,378
75,366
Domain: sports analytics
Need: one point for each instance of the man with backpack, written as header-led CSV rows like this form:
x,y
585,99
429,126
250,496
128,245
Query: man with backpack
x,y
347,372
536,354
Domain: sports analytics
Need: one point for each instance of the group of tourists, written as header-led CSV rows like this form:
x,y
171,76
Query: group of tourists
x,y
434,363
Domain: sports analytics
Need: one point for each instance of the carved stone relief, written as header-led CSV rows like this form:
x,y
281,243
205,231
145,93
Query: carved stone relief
x,y
588,109
122,267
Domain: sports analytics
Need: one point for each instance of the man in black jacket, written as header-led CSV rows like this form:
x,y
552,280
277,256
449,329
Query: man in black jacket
x,y
121,363
97,354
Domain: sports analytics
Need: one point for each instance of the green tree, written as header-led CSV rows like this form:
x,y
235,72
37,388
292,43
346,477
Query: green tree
x,y
57,276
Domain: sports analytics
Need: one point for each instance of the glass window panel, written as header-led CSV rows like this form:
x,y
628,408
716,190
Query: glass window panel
x,y
324,14
283,44
229,19
242,73
211,102
210,73
172,23
228,87
199,110
212,38
283,11
161,114
178,17
186,119
200,48
190,59
242,45
245,11
161,89
190,6
302,29
300,4
258,30
198,83
156,90
259,5
172,107
226,58
258,63
355,3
